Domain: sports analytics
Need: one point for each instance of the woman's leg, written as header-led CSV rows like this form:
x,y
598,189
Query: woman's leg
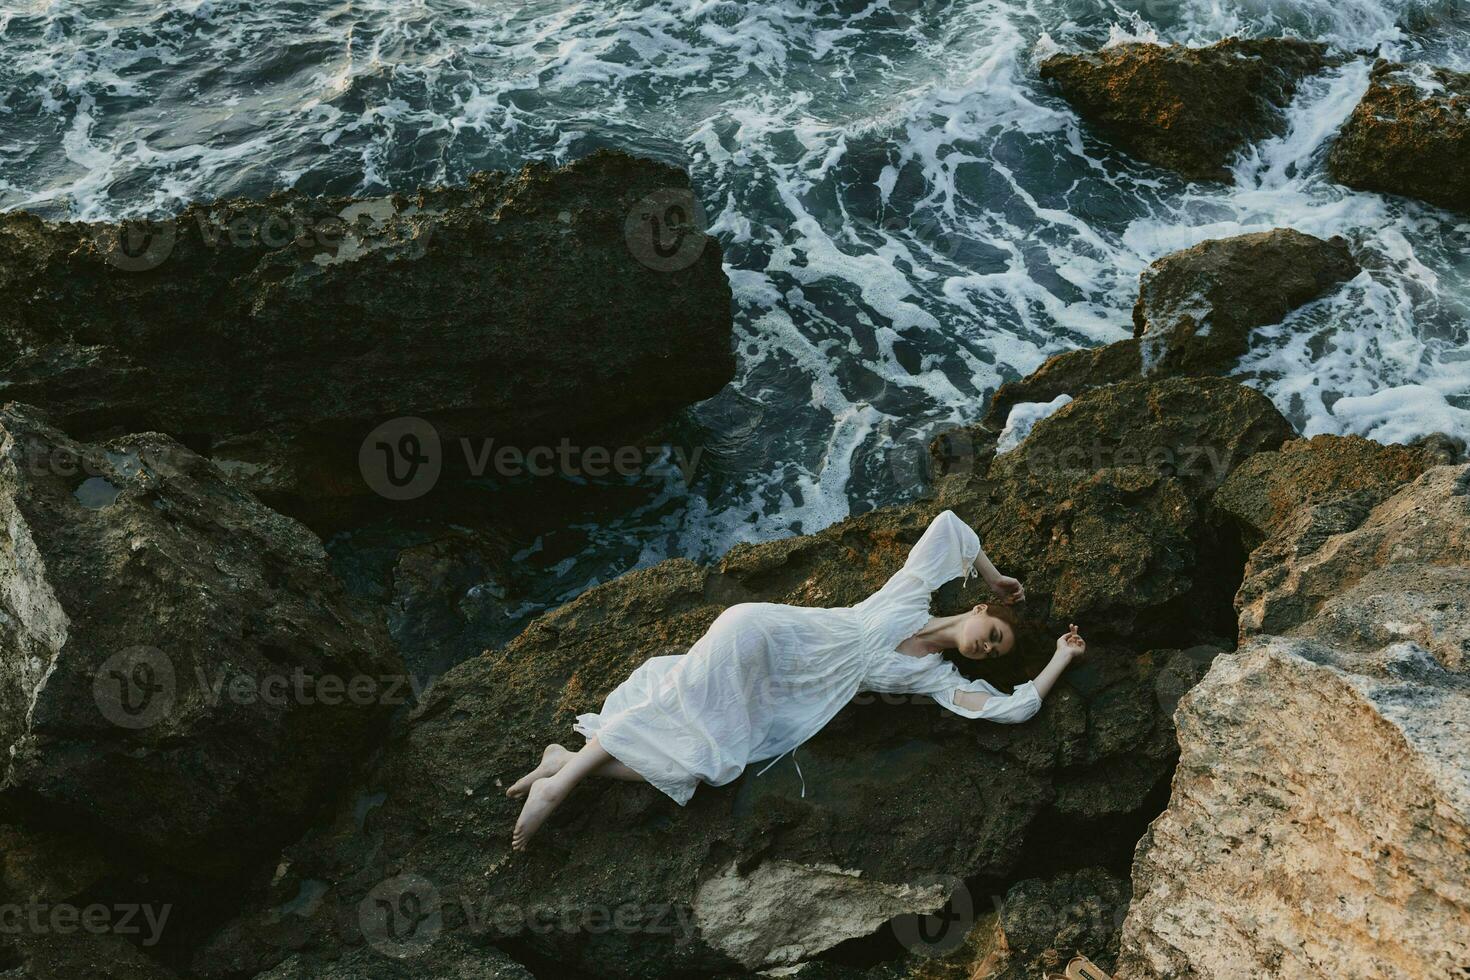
x,y
548,792
613,769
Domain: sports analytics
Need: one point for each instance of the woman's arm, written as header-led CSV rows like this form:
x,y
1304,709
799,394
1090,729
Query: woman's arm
x,y
1006,588
1070,646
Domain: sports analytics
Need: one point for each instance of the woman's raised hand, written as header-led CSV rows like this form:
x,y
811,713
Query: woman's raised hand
x,y
1007,589
1071,642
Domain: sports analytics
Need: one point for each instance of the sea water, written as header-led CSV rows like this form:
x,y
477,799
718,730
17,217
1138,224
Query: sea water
x,y
909,216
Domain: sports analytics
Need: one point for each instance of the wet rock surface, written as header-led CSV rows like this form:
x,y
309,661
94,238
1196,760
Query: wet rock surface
x,y
1188,109
1409,135
1197,307
168,652
1194,313
276,335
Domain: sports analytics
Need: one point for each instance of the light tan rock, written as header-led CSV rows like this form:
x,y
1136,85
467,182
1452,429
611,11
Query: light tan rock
x,y
783,912
1325,549
1319,823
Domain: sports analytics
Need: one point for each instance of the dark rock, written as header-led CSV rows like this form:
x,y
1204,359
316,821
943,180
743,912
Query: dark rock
x,y
444,958
168,650
276,335
445,587
1197,307
1409,135
1046,922
755,874
69,911
54,956
1195,310
1189,109
1445,449
1068,373
1105,505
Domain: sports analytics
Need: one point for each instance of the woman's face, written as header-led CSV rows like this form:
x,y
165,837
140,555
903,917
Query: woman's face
x,y
982,635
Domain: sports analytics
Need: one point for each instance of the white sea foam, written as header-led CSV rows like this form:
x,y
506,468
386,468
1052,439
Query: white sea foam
x,y
909,216
1023,418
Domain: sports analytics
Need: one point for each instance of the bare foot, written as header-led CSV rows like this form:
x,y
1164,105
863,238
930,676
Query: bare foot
x,y
542,798
552,759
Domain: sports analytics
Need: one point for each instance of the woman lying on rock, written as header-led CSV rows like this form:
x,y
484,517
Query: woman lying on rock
x,y
767,677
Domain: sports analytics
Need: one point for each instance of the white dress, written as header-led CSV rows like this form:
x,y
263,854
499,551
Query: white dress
x,y
766,677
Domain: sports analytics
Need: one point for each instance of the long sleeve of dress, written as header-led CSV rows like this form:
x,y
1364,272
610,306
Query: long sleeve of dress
x,y
945,551
1012,709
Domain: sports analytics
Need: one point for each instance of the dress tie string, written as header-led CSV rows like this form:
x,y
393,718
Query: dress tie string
x,y
791,752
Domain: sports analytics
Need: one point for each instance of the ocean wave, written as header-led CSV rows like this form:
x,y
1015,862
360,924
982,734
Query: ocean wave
x,y
909,216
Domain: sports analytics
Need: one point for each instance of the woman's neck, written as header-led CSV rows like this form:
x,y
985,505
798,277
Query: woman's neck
x,y
939,633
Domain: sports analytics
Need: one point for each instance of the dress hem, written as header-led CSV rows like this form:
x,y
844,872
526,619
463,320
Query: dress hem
x,y
591,729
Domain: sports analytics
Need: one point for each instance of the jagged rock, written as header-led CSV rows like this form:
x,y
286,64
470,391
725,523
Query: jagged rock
x,y
1105,505
67,910
445,958
1188,109
1444,448
1327,548
1409,135
445,586
1318,823
1195,310
169,650
1196,429
1196,307
1068,373
1046,922
1030,931
53,956
1320,816
276,335
1266,490
711,887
